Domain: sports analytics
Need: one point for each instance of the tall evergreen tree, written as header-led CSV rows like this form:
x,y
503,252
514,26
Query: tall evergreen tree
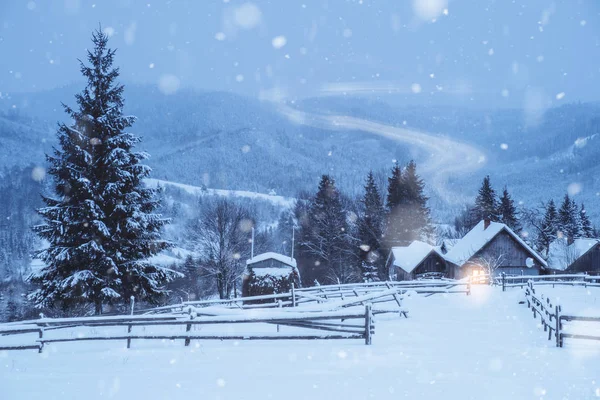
x,y
370,232
408,217
508,212
395,192
568,219
101,224
586,228
548,229
327,240
486,204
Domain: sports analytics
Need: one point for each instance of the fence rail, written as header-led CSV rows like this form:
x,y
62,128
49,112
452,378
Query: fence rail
x,y
316,321
321,294
557,279
548,313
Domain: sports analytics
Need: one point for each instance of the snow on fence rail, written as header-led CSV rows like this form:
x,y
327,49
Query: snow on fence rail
x,y
325,293
316,321
557,279
552,318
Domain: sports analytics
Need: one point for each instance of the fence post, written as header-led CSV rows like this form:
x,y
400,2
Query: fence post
x,y
129,336
469,287
188,327
368,323
557,329
504,281
293,296
132,299
279,305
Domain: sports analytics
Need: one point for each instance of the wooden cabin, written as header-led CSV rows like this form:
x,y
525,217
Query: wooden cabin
x,y
419,259
577,256
269,273
493,243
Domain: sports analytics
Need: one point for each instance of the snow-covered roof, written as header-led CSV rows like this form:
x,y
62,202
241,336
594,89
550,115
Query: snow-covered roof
x,y
274,256
409,257
478,237
561,255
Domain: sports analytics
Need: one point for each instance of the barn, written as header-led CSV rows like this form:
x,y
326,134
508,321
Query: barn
x,y
269,273
492,246
419,259
577,256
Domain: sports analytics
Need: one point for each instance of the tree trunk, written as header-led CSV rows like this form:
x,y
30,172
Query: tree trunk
x,y
98,307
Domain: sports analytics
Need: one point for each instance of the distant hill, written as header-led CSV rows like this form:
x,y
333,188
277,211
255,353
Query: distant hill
x,y
226,141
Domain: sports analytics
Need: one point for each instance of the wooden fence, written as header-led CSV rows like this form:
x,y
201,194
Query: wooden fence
x,y
316,321
554,280
321,294
552,318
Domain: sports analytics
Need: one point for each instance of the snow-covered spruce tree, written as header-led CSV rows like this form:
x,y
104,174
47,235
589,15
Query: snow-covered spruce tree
x,y
568,219
370,232
508,212
486,204
100,224
548,229
327,239
408,217
586,228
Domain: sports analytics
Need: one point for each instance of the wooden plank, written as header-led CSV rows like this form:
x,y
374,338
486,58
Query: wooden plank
x,y
204,337
577,318
577,336
23,347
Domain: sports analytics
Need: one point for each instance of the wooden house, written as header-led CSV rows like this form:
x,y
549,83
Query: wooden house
x,y
577,256
493,246
269,273
405,263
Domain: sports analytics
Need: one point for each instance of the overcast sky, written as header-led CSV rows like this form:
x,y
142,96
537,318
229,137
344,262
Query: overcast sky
x,y
502,51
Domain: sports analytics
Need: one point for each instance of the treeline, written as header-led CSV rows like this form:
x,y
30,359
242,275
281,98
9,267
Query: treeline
x,y
340,240
570,221
545,224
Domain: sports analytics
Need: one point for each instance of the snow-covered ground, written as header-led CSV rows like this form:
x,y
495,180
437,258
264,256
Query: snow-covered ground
x,y
484,346
286,202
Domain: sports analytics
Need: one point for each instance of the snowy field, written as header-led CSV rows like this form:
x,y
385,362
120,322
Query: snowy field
x,y
484,346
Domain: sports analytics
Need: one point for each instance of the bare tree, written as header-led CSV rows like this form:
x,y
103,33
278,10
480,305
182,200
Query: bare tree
x,y
489,263
222,235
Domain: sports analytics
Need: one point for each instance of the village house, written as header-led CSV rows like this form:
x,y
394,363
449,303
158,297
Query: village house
x,y
492,247
576,256
269,273
416,260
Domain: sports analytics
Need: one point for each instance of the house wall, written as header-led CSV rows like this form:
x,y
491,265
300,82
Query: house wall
x,y
270,263
513,261
589,262
432,263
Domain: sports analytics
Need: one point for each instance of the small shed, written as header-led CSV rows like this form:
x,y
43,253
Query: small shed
x,y
269,273
493,244
416,260
580,255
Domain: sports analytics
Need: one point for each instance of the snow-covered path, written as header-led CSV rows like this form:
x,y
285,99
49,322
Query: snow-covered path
x,y
485,346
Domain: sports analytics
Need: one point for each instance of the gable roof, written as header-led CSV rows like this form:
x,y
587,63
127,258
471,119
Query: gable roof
x,y
478,237
561,255
274,256
409,257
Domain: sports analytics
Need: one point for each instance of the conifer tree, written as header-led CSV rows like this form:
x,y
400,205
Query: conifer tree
x,y
370,231
486,204
548,229
568,219
327,239
508,212
100,224
586,228
408,217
